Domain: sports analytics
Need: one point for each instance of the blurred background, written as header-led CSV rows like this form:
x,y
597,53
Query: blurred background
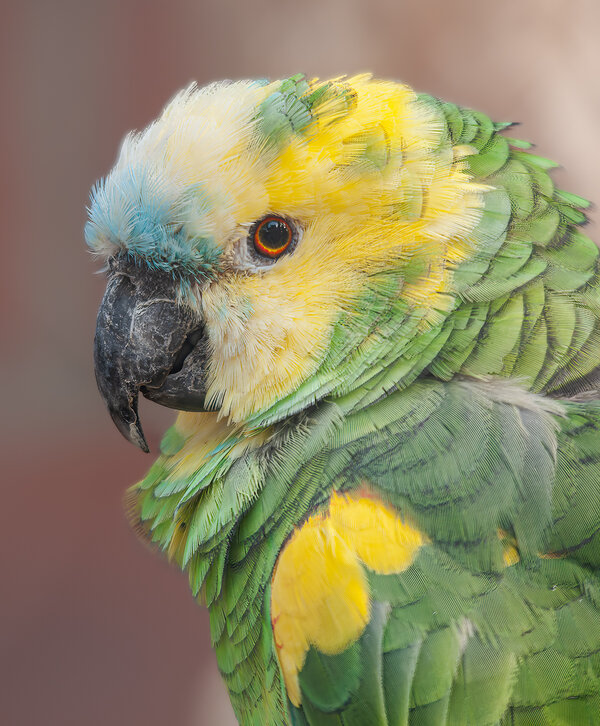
x,y
94,628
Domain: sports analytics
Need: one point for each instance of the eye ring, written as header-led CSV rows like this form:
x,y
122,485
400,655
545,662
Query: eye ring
x,y
272,236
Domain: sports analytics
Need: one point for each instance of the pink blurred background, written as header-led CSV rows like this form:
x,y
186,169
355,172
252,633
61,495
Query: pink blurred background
x,y
95,629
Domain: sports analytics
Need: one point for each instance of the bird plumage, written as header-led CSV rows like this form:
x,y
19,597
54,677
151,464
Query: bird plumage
x,y
389,498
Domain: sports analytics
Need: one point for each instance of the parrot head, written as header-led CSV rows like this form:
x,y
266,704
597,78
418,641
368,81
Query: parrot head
x,y
266,243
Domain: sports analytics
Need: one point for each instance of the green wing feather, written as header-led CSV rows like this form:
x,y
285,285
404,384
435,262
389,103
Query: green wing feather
x,y
464,638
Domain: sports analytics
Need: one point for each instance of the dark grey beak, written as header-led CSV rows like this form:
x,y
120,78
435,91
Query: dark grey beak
x,y
145,341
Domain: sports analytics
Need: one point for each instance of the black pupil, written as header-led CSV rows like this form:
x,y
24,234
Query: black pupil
x,y
274,234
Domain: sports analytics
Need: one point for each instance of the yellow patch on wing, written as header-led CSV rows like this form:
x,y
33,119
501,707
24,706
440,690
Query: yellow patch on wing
x,y
510,555
379,537
319,590
510,552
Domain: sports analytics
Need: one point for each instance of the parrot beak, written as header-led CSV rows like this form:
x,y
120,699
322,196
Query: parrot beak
x,y
145,341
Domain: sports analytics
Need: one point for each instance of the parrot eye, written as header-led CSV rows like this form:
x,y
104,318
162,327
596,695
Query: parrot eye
x,y
272,236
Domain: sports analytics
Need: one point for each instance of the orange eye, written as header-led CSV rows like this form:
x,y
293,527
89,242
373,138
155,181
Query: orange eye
x,y
272,236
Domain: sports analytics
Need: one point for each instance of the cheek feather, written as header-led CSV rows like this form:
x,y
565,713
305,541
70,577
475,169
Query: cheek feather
x,y
269,339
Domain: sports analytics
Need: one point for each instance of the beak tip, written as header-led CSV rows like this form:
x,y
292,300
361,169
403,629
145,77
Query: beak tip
x,y
139,440
132,431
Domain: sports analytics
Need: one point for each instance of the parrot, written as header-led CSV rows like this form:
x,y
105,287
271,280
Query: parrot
x,y
379,322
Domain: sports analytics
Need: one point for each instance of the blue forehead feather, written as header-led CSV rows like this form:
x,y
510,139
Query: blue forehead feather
x,y
143,215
